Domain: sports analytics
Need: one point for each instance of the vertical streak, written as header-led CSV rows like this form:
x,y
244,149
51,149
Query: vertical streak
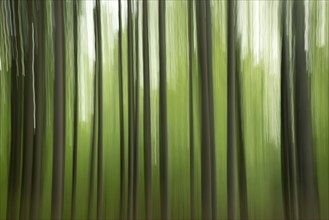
x,y
242,182
28,117
206,198
40,112
33,84
130,111
93,130
122,137
231,111
147,117
164,194
287,162
16,121
100,114
211,112
76,110
190,34
308,189
59,114
136,137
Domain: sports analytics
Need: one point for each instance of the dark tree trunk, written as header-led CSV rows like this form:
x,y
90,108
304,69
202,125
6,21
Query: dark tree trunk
x,y
28,118
164,194
147,117
211,113
136,136
40,109
59,113
76,110
100,114
122,130
206,189
308,192
130,111
287,158
231,112
16,118
190,33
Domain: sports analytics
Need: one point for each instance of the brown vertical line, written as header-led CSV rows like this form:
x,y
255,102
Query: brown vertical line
x,y
147,117
190,45
76,110
164,193
136,134
308,189
59,113
231,111
40,109
130,111
16,118
206,199
122,136
100,114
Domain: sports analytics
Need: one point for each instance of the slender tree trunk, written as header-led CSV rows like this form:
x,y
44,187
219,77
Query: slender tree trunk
x,y
28,117
40,109
190,33
206,189
231,112
100,114
122,130
16,118
147,117
136,136
164,194
130,110
76,110
287,158
308,192
59,113
285,122
211,113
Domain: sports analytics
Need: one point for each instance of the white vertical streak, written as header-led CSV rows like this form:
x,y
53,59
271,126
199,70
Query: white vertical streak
x,y
33,84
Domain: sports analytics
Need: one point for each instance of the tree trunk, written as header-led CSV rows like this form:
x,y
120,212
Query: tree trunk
x,y
76,110
130,111
164,194
59,113
206,189
28,116
122,130
308,192
100,113
287,158
211,113
136,134
40,109
231,112
147,117
16,118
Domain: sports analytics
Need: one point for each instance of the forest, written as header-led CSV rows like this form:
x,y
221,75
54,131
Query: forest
x,y
164,109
